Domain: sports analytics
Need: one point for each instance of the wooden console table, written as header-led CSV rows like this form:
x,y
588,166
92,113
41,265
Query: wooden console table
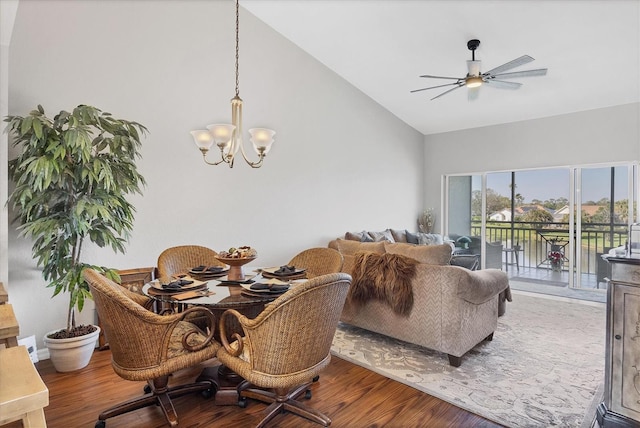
x,y
621,405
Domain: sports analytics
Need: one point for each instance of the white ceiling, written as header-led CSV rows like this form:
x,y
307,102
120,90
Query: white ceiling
x,y
591,48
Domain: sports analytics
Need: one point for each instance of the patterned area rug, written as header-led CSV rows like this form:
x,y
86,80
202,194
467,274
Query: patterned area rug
x,y
544,367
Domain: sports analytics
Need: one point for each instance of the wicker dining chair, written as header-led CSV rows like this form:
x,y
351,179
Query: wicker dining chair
x,y
180,259
318,261
286,345
149,347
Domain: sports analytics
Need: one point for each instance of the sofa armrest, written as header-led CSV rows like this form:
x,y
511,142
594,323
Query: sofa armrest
x,y
469,261
482,285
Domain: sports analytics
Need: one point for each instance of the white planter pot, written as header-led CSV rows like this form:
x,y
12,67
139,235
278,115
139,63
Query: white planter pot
x,y
71,354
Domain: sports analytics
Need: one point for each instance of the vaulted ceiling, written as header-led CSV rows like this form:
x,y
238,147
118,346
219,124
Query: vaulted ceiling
x,y
591,49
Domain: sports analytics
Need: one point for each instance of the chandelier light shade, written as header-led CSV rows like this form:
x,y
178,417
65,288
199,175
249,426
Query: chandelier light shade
x,y
228,137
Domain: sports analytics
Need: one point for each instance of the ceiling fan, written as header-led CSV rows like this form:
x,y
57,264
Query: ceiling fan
x,y
493,78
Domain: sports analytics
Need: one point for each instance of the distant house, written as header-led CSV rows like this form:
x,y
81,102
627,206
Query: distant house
x,y
590,210
505,214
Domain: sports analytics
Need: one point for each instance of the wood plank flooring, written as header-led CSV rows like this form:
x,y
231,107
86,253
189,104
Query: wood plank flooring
x,y
352,396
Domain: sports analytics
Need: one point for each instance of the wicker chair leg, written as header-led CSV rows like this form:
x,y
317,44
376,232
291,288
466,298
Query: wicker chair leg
x,y
300,409
160,394
283,400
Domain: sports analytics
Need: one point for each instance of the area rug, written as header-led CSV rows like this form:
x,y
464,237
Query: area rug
x,y
544,367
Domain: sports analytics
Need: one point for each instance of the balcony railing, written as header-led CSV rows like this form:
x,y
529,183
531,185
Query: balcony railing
x,y
536,239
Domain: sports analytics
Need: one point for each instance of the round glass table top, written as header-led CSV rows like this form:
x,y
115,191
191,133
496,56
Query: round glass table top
x,y
215,293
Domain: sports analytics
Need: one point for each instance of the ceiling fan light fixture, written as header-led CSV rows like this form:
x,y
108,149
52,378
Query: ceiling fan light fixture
x,y
474,81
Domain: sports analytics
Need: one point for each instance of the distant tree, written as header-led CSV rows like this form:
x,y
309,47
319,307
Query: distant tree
x,y
519,199
585,218
621,209
495,202
602,215
554,204
537,216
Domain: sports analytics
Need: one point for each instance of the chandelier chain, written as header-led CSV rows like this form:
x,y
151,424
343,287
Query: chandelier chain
x,y
237,47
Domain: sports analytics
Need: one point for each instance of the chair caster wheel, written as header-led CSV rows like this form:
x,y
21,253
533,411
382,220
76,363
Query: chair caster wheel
x,y
307,394
146,389
242,402
101,424
208,393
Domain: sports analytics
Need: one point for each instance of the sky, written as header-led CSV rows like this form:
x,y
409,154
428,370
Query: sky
x,y
554,183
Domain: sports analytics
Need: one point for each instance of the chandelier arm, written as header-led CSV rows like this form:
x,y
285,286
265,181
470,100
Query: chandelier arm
x,y
256,164
208,162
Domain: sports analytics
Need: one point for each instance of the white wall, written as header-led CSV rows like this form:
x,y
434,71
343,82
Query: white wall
x,y
589,137
340,161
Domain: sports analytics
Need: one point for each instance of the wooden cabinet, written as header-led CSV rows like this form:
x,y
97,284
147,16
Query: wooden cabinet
x,y
621,405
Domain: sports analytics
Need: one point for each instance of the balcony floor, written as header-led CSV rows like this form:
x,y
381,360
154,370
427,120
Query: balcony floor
x,y
543,280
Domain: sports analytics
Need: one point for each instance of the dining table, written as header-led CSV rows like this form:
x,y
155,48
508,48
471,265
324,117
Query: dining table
x,y
219,294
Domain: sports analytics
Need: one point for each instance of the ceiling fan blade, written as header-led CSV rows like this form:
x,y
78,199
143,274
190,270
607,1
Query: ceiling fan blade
x,y
523,73
446,92
472,93
503,84
524,59
441,77
433,87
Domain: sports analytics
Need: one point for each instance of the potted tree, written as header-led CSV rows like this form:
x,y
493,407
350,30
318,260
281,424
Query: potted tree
x,y
71,176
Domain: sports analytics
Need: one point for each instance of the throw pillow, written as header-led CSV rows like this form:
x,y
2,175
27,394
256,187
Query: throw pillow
x,y
385,235
354,236
349,248
430,239
412,238
399,235
427,254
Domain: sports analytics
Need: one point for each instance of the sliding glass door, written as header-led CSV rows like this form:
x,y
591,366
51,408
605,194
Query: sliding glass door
x,y
526,222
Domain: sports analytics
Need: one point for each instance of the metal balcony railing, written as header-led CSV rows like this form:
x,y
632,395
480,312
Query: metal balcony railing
x,y
535,240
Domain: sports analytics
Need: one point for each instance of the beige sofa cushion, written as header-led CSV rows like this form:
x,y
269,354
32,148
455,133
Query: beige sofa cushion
x,y
349,248
428,254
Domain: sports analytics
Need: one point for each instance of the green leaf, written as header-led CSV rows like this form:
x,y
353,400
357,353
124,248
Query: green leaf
x,y
37,128
72,175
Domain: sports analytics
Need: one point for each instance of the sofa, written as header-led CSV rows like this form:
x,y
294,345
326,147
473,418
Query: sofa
x,y
452,309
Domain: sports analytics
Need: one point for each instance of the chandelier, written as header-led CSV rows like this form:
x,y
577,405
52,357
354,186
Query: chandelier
x,y
228,137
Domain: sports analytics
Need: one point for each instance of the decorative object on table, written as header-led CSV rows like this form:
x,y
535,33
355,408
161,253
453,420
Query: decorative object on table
x,y
556,260
148,346
284,272
228,137
236,257
72,175
176,286
426,221
208,272
290,343
266,287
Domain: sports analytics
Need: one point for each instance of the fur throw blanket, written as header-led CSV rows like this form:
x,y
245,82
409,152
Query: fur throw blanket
x,y
385,277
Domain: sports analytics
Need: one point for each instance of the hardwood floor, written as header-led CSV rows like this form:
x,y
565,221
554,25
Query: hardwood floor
x,y
351,395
